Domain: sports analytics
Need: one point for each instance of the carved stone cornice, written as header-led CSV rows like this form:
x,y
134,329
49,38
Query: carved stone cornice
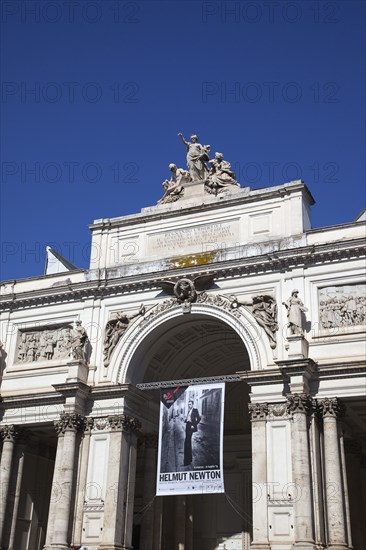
x,y
258,411
331,407
9,432
69,423
124,423
299,403
269,261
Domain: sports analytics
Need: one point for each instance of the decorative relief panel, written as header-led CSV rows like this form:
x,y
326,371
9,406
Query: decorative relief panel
x,y
44,344
342,306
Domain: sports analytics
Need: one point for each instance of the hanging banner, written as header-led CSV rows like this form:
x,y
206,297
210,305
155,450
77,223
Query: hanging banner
x,y
190,453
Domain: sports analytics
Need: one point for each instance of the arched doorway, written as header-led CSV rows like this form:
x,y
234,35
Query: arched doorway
x,y
186,347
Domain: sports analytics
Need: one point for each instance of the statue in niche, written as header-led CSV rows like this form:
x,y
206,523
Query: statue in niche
x,y
295,314
114,331
78,342
264,309
220,177
197,156
174,188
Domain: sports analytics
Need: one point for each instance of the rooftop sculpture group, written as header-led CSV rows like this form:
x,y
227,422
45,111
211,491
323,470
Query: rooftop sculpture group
x,y
216,174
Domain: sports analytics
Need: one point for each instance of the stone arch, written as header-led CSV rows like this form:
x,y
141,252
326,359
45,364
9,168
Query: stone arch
x,y
121,369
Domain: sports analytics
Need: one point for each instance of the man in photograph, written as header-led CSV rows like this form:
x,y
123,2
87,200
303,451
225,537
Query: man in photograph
x,y
191,420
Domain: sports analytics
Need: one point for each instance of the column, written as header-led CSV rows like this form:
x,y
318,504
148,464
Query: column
x,y
69,425
55,491
189,522
81,484
158,522
331,410
147,519
19,460
9,434
258,413
117,512
298,406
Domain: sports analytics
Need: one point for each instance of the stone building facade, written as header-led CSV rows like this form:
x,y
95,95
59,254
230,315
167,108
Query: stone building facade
x,y
206,285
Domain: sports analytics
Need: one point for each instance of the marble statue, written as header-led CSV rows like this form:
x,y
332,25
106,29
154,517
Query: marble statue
x,y
220,176
295,313
114,330
197,156
78,342
174,188
264,309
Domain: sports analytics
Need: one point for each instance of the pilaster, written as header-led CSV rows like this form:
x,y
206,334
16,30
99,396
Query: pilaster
x,y
117,527
258,414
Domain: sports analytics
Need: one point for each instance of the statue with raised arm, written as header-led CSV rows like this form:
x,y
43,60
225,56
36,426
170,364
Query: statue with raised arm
x,y
220,176
197,156
174,188
115,329
264,309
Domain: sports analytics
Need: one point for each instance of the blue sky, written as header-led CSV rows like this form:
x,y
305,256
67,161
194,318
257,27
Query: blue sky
x,y
95,92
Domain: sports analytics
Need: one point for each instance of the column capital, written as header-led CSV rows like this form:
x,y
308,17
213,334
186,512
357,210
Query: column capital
x,y
258,411
331,407
10,432
124,423
299,403
68,423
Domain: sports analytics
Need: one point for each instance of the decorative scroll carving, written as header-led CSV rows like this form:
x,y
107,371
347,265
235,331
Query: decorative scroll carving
x,y
44,344
100,423
88,424
69,422
342,306
9,432
264,309
123,422
299,403
115,329
295,314
258,411
277,410
332,407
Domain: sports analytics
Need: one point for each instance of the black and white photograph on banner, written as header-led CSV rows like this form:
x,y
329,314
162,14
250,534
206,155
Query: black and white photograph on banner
x,y
191,440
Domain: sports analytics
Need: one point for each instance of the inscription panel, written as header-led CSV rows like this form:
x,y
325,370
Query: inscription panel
x,y
202,238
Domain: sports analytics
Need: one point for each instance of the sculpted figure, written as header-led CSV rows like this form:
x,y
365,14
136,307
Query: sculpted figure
x,y
78,341
50,345
295,313
173,188
186,290
23,348
115,329
197,156
221,176
265,313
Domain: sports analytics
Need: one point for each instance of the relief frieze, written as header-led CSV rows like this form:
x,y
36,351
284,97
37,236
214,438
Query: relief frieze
x,y
44,344
342,306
